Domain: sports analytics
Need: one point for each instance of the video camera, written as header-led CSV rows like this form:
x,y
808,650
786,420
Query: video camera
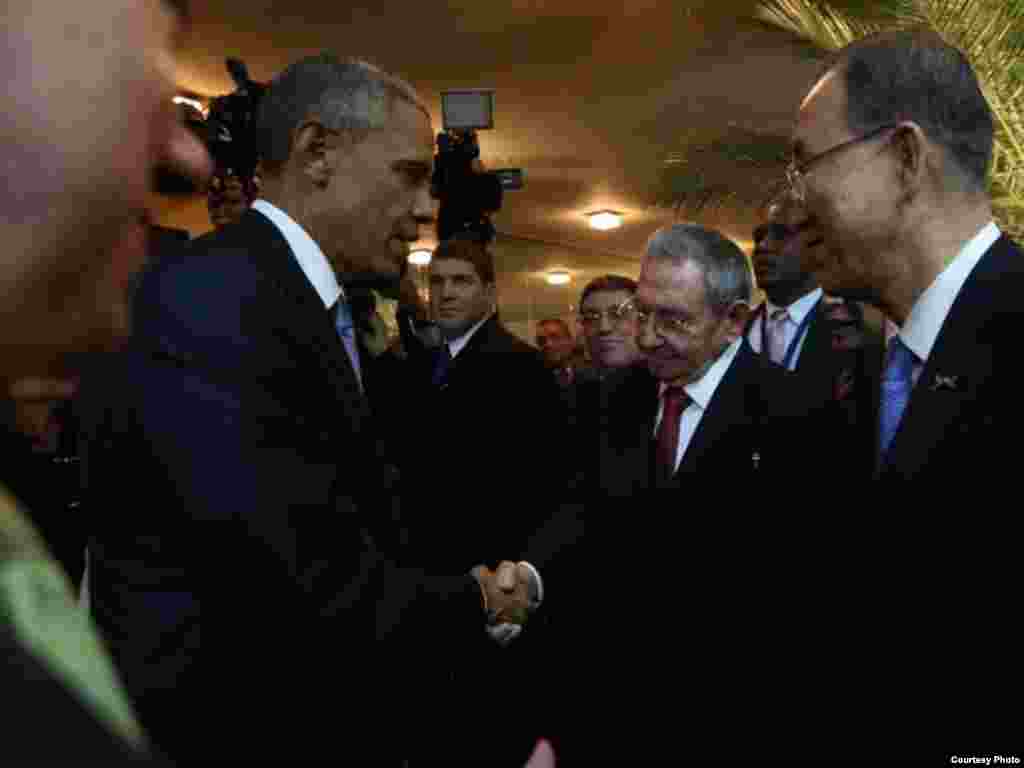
x,y
467,193
230,122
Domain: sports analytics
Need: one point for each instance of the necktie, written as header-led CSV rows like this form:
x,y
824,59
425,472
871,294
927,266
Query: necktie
x,y
897,382
345,327
777,336
674,402
441,364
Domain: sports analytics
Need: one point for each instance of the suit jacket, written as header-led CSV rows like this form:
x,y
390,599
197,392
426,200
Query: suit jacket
x,y
240,503
964,411
487,442
44,718
847,377
758,426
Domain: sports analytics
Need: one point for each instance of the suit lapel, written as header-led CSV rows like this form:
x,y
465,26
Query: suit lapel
x,y
470,354
817,356
312,322
947,390
726,409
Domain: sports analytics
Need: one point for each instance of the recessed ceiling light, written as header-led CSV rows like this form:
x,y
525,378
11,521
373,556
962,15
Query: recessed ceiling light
x,y
558,277
605,220
420,257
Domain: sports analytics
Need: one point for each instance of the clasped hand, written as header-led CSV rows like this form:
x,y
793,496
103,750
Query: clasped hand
x,y
510,593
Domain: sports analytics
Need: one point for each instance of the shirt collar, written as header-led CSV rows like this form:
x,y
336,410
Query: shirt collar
x,y
929,312
800,308
311,259
456,345
703,389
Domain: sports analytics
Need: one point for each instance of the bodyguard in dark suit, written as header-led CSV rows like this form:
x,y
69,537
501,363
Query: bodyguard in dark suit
x,y
832,345
255,567
490,421
891,151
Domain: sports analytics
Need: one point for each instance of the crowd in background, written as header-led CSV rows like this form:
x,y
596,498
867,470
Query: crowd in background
x,y
702,526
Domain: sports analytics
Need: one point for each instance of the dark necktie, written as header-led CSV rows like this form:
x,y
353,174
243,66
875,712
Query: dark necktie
x,y
675,400
442,362
341,316
897,383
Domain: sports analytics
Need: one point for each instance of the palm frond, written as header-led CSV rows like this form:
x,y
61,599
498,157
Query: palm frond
x,y
989,32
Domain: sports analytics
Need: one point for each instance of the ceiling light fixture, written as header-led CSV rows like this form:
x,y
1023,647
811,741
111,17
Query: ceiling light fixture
x,y
605,220
558,277
420,257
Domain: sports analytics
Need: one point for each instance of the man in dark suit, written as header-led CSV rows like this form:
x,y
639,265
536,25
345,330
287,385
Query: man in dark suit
x,y
257,563
891,151
704,404
697,447
831,344
481,450
489,412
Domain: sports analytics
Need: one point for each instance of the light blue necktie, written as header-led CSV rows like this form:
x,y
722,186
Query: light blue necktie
x,y
897,382
347,332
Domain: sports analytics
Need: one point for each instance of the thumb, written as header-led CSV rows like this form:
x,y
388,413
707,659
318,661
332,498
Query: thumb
x,y
543,756
508,577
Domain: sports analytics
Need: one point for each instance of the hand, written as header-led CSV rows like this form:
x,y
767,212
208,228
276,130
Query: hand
x,y
42,390
543,756
35,402
510,594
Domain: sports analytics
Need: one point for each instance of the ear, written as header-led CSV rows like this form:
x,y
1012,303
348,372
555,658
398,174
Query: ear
x,y
911,148
491,291
309,149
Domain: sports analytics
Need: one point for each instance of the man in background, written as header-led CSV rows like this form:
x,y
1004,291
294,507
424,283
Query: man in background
x,y
560,353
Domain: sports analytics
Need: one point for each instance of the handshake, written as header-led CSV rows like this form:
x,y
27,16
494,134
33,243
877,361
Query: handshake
x,y
510,595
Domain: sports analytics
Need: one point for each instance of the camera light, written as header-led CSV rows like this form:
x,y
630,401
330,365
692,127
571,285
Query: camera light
x,y
605,220
420,257
558,277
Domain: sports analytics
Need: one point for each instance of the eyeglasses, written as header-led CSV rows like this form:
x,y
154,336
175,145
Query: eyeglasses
x,y
666,323
617,315
796,173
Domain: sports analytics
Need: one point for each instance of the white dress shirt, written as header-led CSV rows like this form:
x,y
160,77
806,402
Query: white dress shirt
x,y
314,266
929,312
457,345
798,311
700,392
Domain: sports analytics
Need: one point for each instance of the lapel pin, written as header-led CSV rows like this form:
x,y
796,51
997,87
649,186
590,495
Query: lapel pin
x,y
951,383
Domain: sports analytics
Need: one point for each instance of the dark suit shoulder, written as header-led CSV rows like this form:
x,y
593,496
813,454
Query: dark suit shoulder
x,y
205,292
498,340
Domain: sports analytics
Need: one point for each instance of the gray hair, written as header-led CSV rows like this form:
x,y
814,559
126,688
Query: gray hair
x,y
347,95
727,277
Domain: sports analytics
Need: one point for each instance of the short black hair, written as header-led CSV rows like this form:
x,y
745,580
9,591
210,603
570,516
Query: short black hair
x,y
349,95
467,249
913,74
608,283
